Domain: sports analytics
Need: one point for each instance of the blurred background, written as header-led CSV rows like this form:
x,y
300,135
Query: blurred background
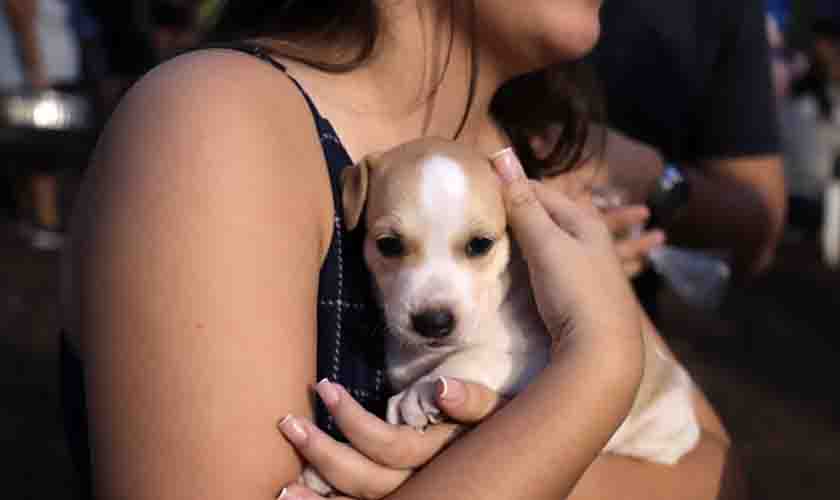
x,y
766,354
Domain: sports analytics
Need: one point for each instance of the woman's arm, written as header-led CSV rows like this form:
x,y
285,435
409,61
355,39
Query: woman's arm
x,y
711,471
22,16
387,453
204,221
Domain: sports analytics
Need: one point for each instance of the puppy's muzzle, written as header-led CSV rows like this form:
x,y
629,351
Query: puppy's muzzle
x,y
433,323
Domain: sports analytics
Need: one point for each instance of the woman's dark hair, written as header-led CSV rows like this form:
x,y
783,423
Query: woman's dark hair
x,y
567,95
165,13
353,25
523,107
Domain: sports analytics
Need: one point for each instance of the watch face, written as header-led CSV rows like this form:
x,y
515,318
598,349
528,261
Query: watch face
x,y
670,194
671,177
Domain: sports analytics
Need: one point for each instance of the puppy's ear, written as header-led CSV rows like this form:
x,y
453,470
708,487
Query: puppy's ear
x,y
354,181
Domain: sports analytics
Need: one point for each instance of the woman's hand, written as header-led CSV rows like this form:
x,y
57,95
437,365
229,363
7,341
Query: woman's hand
x,y
382,456
578,280
624,163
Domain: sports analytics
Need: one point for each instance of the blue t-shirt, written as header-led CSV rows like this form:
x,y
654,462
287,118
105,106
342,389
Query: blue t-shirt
x,y
691,78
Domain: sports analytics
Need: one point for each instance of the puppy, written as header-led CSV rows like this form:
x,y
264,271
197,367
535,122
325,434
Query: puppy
x,y
457,298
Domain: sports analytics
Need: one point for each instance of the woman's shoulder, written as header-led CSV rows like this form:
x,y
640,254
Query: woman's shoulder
x,y
217,111
215,146
214,82
213,131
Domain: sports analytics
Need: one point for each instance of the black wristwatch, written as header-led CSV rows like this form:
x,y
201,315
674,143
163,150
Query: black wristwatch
x,y
669,195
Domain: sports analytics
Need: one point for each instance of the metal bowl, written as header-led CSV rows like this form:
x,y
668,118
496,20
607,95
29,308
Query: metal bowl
x,y
48,110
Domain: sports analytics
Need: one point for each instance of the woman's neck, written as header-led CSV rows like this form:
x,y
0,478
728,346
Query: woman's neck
x,y
417,82
452,95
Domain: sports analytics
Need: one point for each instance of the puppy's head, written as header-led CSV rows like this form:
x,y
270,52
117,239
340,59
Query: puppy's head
x,y
436,239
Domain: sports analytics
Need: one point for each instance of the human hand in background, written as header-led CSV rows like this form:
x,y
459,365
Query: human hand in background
x,y
632,244
618,181
619,162
22,15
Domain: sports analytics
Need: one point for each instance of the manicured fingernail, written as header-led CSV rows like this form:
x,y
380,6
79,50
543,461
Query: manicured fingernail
x,y
659,238
293,429
451,391
443,387
502,152
327,392
288,494
507,165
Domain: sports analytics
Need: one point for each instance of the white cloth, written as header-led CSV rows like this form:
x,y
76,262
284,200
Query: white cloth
x,y
58,41
811,144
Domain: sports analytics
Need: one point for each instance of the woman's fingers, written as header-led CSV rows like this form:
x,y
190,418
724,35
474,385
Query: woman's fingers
x,y
298,492
465,402
340,465
529,219
382,455
394,446
526,214
575,272
401,446
579,217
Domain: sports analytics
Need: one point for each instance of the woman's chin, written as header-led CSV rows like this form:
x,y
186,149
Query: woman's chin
x,y
575,43
555,48
552,36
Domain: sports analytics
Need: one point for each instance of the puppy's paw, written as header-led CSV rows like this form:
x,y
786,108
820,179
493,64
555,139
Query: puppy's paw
x,y
312,479
416,406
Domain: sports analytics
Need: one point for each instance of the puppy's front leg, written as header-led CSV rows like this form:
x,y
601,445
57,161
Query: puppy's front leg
x,y
312,479
500,371
416,405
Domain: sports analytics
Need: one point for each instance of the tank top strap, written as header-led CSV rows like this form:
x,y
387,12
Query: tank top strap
x,y
263,54
334,151
350,324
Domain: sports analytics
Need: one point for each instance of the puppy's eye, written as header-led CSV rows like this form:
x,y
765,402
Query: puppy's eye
x,y
390,246
477,247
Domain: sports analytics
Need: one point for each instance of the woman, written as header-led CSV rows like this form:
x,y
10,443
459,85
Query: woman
x,y
209,250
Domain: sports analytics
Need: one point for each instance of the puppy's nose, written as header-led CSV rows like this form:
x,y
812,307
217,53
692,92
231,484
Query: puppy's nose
x,y
433,323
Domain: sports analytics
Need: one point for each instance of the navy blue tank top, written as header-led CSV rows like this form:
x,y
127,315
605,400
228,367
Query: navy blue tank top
x,y
350,325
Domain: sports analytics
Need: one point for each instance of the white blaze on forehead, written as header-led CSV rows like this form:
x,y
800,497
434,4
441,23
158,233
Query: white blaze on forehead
x,y
444,185
443,199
